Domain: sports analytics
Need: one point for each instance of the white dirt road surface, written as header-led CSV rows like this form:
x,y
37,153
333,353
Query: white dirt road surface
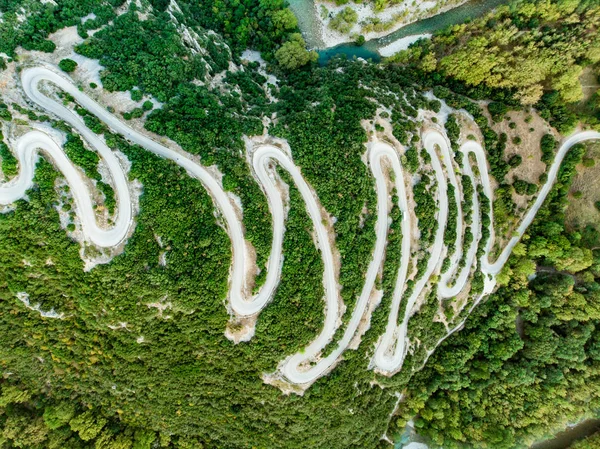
x,y
303,368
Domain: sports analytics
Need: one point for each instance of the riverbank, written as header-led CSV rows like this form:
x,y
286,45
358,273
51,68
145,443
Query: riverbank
x,y
392,42
401,44
374,24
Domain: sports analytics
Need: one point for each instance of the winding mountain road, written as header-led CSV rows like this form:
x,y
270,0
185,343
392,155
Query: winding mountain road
x,y
304,367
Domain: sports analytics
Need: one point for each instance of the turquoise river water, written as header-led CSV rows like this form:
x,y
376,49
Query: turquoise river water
x,y
309,24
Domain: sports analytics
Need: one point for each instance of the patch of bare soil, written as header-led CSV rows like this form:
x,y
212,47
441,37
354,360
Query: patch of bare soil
x,y
590,82
524,130
529,127
585,191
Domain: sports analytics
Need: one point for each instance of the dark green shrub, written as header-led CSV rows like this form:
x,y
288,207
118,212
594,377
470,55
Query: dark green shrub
x,y
67,65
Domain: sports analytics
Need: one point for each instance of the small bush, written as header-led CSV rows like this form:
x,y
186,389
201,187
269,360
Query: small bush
x,y
136,95
67,65
515,160
588,162
548,146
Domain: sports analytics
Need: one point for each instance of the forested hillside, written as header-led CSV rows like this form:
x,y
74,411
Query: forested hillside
x,y
529,47
133,353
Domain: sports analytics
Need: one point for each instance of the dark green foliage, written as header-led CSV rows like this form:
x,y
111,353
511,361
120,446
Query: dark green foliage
x,y
9,161
185,385
86,159
5,113
435,106
553,109
452,131
491,361
548,146
425,211
497,110
524,188
148,54
42,19
248,24
136,95
176,350
412,160
67,65
450,232
515,160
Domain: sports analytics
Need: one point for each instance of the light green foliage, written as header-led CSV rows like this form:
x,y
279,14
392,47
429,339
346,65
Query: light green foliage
x,y
88,425
13,395
592,442
284,19
344,20
58,415
143,439
529,46
293,53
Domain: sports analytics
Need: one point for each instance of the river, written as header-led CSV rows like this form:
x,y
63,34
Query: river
x,y
310,25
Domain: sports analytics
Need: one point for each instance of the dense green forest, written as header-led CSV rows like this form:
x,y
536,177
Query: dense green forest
x,y
528,359
529,47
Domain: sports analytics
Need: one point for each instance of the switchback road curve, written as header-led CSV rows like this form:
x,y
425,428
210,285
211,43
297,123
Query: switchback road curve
x,y
385,164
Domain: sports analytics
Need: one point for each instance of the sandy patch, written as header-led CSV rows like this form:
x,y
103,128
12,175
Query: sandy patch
x,y
529,127
590,83
401,44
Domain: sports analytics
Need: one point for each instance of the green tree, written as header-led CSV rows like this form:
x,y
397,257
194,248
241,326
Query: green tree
x,y
293,53
24,432
12,394
284,20
67,65
56,416
87,425
344,20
